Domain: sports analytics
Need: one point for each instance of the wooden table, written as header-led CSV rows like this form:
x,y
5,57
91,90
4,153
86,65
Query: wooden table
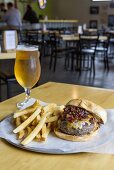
x,y
71,37
111,31
9,55
17,159
91,30
74,37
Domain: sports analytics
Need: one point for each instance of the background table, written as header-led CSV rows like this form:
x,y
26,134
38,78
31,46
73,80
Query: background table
x,y
74,37
9,55
14,158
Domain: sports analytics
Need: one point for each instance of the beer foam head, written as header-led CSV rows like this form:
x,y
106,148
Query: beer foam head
x,y
27,48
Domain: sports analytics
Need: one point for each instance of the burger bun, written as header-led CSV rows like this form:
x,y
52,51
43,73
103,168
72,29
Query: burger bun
x,y
73,137
95,109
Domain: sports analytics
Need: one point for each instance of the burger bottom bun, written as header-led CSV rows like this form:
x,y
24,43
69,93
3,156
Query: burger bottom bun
x,y
73,137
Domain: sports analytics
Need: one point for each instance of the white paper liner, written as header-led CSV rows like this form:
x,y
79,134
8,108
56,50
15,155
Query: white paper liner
x,y
103,142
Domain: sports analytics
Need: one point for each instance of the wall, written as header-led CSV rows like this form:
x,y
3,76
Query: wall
x,y
79,9
71,9
47,11
22,7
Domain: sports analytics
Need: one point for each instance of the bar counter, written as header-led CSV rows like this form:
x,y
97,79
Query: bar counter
x,y
63,21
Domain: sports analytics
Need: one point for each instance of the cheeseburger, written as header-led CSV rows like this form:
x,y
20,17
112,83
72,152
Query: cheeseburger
x,y
80,120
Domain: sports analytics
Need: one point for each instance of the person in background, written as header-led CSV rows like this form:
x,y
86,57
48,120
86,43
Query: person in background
x,y
12,17
41,17
30,15
2,10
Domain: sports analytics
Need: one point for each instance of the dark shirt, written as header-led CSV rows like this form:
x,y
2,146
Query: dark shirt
x,y
4,10
30,16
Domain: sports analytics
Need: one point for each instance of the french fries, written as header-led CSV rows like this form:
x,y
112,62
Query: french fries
x,y
28,121
52,119
45,132
30,109
21,133
37,129
36,122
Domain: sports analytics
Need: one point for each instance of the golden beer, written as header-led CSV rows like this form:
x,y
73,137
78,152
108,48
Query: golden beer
x,y
27,67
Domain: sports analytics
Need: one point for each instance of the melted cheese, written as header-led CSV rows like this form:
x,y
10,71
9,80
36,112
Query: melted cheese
x,y
78,124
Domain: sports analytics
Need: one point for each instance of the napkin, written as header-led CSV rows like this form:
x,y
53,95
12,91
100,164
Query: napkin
x,y
107,148
29,103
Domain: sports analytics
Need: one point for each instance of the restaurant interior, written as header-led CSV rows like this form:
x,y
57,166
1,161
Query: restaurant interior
x,y
59,56
58,32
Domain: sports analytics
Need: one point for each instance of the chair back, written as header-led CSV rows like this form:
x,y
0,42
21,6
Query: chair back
x,y
90,31
88,42
104,41
55,40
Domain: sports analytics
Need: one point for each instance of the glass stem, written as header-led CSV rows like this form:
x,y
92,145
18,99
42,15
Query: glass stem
x,y
27,91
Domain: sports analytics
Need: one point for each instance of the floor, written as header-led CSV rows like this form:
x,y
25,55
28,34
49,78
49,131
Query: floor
x,y
102,79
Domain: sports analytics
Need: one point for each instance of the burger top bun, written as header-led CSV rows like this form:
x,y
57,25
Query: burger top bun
x,y
95,109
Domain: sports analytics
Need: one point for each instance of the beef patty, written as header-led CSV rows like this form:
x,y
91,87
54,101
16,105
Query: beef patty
x,y
86,129
77,121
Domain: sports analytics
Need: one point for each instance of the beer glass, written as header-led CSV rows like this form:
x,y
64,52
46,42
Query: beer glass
x,y
27,69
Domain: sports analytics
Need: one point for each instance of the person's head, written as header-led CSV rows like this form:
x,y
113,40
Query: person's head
x,y
2,5
29,7
41,17
9,5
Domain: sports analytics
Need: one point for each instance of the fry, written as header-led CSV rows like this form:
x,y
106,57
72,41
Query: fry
x,y
27,110
52,119
23,112
37,129
61,107
45,133
21,133
29,130
32,127
17,121
49,125
38,138
43,130
50,108
28,121
23,117
36,104
58,110
36,120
